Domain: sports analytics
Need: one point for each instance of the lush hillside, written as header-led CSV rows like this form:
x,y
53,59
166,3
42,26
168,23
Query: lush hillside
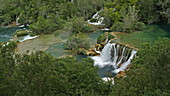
x,y
64,24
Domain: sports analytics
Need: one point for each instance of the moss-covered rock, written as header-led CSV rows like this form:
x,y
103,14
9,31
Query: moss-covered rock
x,y
20,32
105,37
82,51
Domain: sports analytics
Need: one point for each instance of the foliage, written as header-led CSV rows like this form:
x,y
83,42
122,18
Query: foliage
x,y
77,25
88,7
93,20
19,33
130,16
40,74
105,37
43,26
139,26
112,10
77,41
87,28
148,11
129,21
149,73
118,27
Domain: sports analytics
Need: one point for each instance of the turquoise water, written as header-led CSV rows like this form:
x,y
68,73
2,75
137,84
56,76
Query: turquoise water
x,y
165,27
94,36
7,33
58,49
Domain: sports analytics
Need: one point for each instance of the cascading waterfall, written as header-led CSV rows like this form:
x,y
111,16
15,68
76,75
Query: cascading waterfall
x,y
105,56
99,19
17,23
115,57
126,63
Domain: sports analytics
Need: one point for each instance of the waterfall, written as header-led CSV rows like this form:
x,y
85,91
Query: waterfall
x,y
105,56
17,23
116,57
99,19
125,64
97,51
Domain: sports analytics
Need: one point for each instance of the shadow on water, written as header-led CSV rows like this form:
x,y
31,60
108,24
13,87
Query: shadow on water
x,y
165,27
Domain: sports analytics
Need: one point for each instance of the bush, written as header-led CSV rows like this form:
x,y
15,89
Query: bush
x,y
43,26
76,42
78,24
19,33
139,26
93,20
118,26
103,37
88,29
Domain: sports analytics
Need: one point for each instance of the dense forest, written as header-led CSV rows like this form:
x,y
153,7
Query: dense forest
x,y
41,74
47,16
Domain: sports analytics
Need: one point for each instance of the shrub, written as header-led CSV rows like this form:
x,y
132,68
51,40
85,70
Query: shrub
x,y
93,20
19,33
88,29
139,26
76,42
78,24
43,26
118,26
103,37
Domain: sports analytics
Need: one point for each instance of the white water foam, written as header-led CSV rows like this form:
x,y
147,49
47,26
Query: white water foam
x,y
99,19
28,37
110,56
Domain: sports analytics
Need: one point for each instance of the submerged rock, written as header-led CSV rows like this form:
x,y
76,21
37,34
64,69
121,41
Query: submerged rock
x,y
121,74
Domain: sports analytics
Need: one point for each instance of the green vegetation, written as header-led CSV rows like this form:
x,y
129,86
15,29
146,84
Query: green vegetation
x,y
46,16
44,26
76,42
20,32
39,74
130,15
105,37
149,73
36,73
79,26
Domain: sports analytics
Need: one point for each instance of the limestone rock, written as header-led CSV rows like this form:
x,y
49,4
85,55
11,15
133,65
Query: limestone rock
x,y
121,74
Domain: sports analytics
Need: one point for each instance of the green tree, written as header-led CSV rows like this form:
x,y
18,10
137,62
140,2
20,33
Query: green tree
x,y
43,26
40,74
78,24
77,41
148,11
130,17
149,73
112,10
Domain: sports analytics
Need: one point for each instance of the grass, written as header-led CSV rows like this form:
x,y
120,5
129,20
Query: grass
x,y
151,33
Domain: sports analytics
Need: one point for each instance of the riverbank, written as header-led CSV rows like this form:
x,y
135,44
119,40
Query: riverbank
x,y
138,38
42,42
